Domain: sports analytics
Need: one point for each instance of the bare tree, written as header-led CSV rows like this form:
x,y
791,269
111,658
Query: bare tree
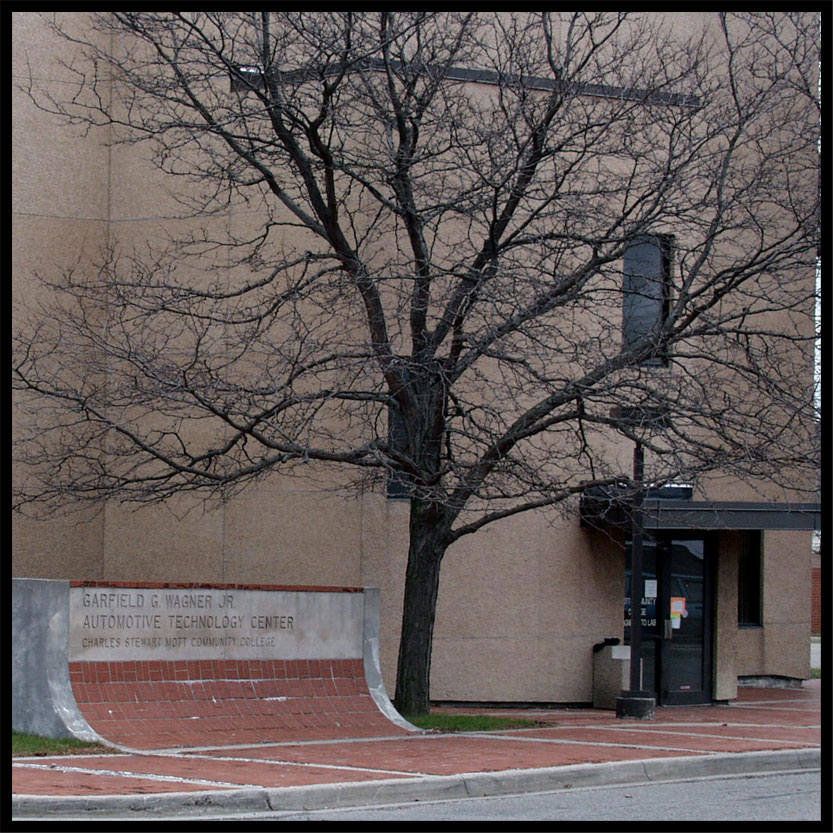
x,y
479,244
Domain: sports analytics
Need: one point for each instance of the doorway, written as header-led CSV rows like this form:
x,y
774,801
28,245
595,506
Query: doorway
x,y
676,613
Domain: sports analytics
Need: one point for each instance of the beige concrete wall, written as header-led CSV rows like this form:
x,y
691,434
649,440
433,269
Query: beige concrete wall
x,y
56,175
521,604
725,638
773,649
60,196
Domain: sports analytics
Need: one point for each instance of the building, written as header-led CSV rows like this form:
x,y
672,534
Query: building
x,y
523,602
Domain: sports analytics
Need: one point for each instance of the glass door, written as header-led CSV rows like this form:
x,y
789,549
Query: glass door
x,y
686,595
676,612
651,624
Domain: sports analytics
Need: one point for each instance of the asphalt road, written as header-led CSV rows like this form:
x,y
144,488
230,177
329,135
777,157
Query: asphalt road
x,y
772,797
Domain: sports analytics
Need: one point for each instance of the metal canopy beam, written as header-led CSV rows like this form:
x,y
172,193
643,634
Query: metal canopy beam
x,y
604,512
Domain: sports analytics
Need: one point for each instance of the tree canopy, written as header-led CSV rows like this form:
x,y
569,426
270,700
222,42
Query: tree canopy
x,y
466,249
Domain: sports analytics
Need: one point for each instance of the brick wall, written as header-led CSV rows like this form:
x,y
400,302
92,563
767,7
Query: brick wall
x,y
815,601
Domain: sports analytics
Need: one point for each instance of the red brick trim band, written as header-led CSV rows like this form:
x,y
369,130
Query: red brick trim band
x,y
189,585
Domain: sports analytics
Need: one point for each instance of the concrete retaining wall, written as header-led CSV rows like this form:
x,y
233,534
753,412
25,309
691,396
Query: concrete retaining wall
x,y
157,666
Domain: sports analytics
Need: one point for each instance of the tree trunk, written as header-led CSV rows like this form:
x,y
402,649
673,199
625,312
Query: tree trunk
x,y
422,579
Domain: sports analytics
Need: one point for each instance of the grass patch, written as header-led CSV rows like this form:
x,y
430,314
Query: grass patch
x,y
815,673
470,722
24,744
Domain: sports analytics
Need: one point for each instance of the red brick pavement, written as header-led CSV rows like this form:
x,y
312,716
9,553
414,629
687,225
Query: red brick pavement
x,y
759,719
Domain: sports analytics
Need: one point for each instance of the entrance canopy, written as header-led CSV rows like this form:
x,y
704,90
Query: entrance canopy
x,y
605,508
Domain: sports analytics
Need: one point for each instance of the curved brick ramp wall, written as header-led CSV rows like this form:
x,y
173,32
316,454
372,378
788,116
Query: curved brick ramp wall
x,y
151,705
80,672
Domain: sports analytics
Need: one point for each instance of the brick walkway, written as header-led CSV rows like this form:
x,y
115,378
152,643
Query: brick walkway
x,y
760,719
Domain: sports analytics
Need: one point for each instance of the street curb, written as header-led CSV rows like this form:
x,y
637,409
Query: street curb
x,y
422,788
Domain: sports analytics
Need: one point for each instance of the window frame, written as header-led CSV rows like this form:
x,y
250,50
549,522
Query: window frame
x,y
631,333
750,579
397,486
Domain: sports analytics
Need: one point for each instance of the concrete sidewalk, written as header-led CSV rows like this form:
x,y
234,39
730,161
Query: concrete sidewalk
x,y
763,730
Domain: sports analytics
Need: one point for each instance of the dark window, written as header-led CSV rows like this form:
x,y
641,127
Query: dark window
x,y
397,487
749,579
647,273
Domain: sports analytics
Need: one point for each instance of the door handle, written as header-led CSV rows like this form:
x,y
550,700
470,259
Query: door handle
x,y
668,630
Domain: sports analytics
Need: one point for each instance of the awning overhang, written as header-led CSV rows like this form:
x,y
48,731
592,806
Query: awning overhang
x,y
605,512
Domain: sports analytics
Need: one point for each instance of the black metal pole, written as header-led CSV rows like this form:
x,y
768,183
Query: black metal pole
x,y
636,702
636,570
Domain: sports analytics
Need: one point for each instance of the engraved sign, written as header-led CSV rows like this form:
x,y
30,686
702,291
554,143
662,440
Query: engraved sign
x,y
118,623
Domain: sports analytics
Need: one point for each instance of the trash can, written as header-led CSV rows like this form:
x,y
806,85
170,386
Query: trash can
x,y
611,672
